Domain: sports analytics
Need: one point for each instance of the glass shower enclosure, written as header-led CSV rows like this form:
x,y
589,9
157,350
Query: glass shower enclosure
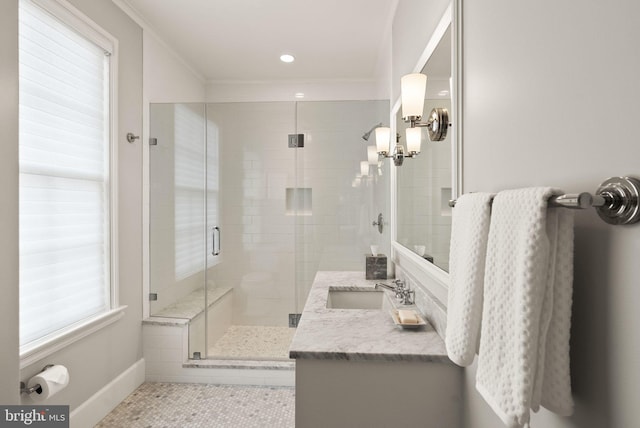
x,y
247,202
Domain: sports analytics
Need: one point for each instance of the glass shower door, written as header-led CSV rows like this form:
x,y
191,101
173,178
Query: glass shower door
x,y
177,260
257,252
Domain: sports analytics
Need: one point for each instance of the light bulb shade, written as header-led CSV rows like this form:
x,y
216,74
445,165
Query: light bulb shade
x,y
372,155
412,89
414,139
364,168
382,139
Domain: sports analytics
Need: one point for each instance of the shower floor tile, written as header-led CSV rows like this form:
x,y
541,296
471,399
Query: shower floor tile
x,y
253,342
169,405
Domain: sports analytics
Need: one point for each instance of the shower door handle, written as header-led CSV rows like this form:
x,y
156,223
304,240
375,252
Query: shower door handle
x,y
215,252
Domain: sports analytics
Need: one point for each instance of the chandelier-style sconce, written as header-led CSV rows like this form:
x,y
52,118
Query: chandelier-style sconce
x,y
413,88
383,138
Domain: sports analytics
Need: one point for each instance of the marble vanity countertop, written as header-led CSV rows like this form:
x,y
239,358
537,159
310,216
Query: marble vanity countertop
x,y
359,334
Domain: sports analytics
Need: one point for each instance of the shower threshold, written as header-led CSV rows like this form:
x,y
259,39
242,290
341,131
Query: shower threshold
x,y
243,346
211,363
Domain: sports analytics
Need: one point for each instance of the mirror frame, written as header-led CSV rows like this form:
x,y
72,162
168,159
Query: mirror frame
x,y
431,276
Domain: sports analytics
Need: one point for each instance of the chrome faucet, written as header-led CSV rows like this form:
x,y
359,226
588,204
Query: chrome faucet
x,y
385,286
405,295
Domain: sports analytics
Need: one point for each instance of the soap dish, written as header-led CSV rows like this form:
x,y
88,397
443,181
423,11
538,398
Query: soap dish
x,y
396,320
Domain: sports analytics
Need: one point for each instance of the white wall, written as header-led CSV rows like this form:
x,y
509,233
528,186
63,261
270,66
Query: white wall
x,y
167,78
9,206
320,90
563,79
99,358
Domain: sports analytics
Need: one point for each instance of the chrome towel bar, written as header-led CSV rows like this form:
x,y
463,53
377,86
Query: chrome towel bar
x,y
616,200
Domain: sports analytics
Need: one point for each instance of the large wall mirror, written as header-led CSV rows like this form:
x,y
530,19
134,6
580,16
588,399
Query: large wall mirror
x,y
426,183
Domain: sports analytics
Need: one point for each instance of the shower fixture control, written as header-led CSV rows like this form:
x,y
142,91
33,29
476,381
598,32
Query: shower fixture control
x,y
379,223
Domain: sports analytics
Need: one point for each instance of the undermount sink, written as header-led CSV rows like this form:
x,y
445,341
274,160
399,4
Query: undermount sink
x,y
351,299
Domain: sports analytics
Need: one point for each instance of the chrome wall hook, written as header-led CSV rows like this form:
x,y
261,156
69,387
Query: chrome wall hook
x,y
131,138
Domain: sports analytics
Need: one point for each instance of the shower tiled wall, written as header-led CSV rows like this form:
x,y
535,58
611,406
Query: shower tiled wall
x,y
345,202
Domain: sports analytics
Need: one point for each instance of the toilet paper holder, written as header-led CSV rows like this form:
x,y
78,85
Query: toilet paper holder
x,y
34,388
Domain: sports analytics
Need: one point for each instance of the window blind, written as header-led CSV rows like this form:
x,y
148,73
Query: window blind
x,y
64,175
189,209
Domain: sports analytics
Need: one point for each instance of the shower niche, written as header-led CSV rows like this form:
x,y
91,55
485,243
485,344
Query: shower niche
x,y
299,201
240,221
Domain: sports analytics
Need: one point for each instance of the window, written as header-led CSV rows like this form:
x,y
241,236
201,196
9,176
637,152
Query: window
x,y
66,211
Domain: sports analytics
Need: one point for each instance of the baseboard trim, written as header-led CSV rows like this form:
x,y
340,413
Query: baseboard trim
x,y
96,407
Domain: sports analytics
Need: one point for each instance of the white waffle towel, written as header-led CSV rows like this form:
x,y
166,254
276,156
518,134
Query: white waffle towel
x,y
524,346
469,233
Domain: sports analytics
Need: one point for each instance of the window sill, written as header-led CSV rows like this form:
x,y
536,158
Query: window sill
x,y
38,350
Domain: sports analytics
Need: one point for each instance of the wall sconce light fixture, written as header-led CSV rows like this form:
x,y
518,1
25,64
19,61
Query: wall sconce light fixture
x,y
383,137
412,88
364,168
372,155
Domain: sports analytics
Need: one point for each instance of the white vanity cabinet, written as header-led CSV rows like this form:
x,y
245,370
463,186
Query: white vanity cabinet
x,y
356,368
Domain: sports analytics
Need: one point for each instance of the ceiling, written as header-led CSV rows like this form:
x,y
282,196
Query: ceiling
x,y
242,40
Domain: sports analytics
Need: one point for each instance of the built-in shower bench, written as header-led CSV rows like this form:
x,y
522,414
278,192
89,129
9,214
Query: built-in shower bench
x,y
172,335
192,305
189,313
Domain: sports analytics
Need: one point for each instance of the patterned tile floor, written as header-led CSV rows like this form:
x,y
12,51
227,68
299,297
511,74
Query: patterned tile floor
x,y
253,342
180,405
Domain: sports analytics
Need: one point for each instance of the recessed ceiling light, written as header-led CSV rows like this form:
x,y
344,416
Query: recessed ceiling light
x,y
299,94
287,58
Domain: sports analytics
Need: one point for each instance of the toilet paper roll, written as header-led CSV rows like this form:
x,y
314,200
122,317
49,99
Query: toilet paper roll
x,y
51,381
